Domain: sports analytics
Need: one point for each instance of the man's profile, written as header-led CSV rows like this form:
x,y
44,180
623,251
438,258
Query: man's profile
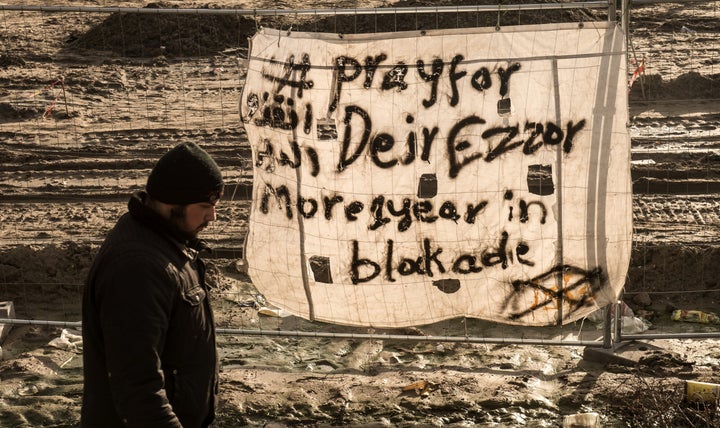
x,y
149,357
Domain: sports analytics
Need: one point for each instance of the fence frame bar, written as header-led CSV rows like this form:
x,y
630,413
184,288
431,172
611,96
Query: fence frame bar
x,y
357,336
320,11
653,336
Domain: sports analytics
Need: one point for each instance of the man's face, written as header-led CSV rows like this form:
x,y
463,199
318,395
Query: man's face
x,y
193,218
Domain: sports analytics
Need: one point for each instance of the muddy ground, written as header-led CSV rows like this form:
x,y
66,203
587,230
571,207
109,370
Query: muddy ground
x,y
88,102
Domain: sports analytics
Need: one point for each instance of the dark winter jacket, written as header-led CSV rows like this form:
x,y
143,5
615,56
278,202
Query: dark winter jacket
x,y
149,355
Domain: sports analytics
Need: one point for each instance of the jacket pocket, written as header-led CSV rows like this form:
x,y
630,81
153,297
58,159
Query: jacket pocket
x,y
194,296
191,401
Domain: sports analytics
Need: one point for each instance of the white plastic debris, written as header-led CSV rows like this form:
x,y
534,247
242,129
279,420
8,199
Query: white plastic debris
x,y
69,339
599,315
582,420
28,390
7,311
630,323
643,162
273,312
634,325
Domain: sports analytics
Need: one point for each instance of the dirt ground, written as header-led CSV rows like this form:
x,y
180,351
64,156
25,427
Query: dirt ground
x,y
89,101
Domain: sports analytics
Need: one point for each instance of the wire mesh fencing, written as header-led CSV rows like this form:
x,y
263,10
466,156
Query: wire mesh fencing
x,y
91,97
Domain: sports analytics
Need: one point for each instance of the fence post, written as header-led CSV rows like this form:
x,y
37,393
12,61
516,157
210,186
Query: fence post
x,y
607,332
612,10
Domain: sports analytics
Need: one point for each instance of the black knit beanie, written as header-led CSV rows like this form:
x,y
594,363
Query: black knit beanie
x,y
185,175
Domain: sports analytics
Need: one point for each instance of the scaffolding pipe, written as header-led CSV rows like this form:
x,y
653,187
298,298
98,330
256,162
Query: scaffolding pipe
x,y
609,4
635,2
607,331
72,324
357,336
413,338
707,335
323,11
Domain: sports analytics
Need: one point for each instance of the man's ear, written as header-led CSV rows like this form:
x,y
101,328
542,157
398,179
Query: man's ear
x,y
161,208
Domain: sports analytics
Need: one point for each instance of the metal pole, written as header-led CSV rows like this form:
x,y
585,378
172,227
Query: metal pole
x,y
73,324
324,11
707,335
358,336
458,339
667,1
624,15
607,331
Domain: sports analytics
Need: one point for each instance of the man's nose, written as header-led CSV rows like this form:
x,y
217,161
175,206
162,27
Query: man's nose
x,y
211,214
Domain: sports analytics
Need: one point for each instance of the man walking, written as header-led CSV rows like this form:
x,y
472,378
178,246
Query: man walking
x,y
149,353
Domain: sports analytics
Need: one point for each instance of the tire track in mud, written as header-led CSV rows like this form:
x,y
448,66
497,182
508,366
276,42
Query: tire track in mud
x,y
676,175
101,168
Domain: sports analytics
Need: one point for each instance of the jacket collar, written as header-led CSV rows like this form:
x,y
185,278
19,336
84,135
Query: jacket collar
x,y
146,215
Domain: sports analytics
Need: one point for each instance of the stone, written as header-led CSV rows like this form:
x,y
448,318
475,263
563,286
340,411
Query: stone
x,y
642,299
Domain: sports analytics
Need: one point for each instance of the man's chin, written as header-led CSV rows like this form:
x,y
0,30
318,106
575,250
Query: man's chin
x,y
186,232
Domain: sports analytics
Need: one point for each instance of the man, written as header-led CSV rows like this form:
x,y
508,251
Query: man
x,y
149,357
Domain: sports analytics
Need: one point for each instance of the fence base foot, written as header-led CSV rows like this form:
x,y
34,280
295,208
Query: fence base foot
x,y
623,353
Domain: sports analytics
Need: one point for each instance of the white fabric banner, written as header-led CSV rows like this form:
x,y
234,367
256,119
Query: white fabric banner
x,y
405,178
